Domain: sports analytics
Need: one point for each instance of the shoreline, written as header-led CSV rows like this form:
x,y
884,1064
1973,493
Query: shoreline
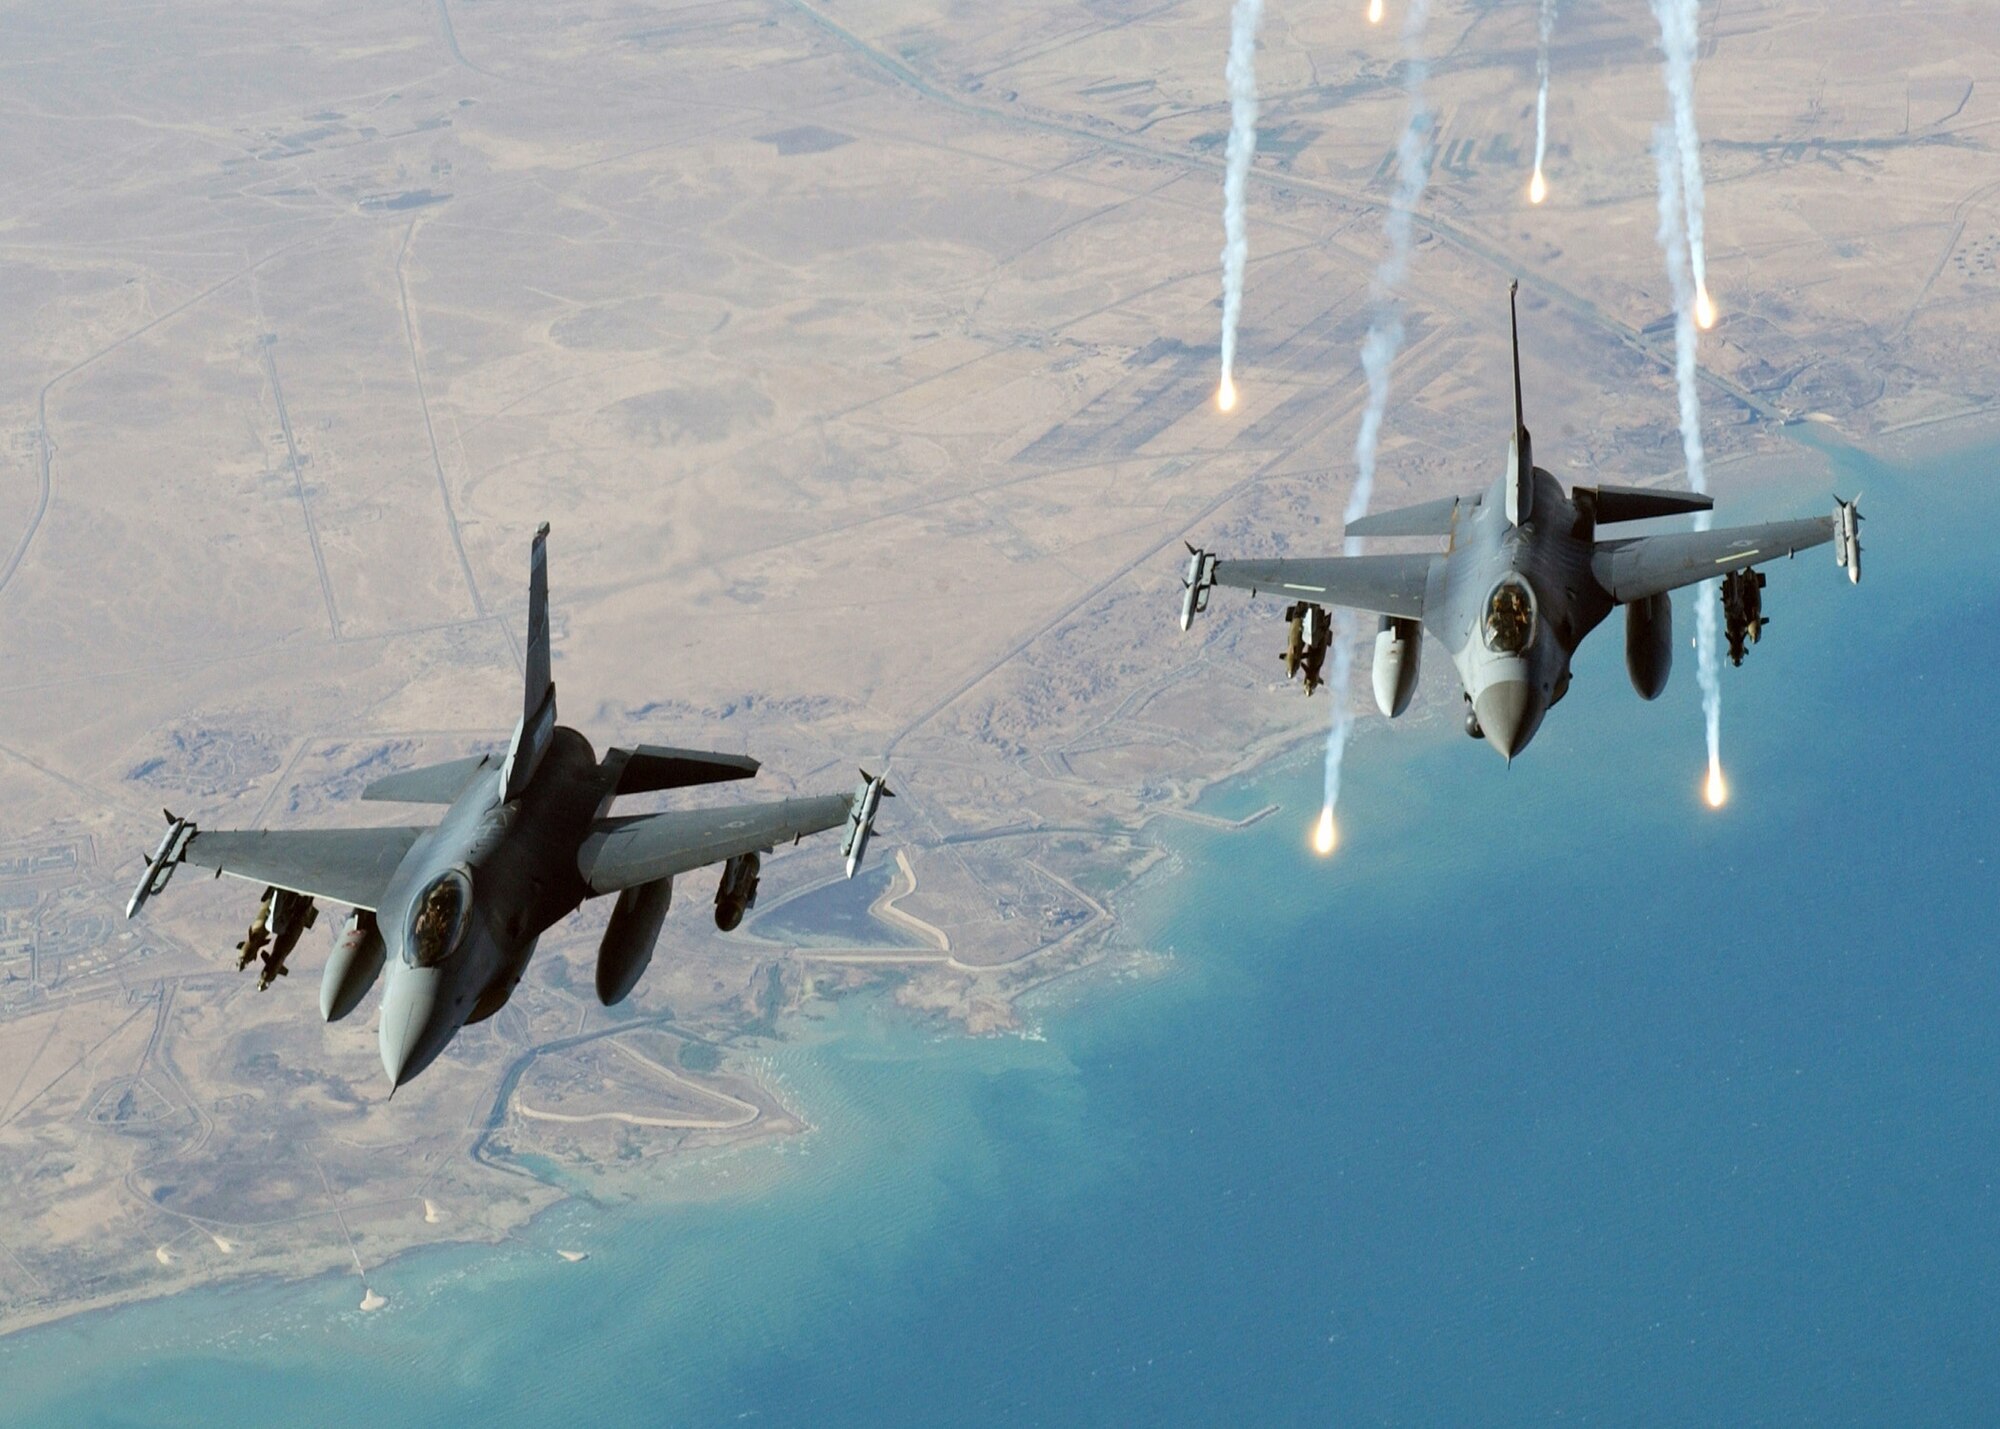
x,y
1947,437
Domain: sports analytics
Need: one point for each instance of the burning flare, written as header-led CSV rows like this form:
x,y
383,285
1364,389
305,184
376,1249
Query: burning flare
x,y
1378,356
1241,74
1688,298
1704,308
1539,189
1680,38
1374,12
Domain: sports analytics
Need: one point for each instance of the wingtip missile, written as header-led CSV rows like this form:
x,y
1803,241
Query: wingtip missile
x,y
863,807
1198,582
1847,536
160,867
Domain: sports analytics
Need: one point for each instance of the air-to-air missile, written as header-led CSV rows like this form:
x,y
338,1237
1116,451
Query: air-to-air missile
x,y
1310,634
868,798
1199,581
1743,611
161,864
1847,536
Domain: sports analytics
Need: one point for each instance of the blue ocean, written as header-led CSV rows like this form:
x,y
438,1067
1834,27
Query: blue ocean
x,y
1555,1097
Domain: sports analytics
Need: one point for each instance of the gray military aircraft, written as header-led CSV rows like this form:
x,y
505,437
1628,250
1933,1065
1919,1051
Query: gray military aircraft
x,y
454,910
1524,577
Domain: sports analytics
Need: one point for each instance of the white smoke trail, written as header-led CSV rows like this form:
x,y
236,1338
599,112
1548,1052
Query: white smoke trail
x,y
1673,244
1680,35
1378,356
1241,73
1538,186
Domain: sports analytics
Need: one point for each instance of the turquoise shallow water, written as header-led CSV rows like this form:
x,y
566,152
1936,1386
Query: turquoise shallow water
x,y
1553,1097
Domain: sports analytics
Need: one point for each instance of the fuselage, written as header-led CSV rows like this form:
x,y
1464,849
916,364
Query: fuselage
x,y
460,918
1510,604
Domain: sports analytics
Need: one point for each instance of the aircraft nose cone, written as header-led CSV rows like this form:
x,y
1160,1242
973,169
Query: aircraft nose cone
x,y
1503,715
408,1036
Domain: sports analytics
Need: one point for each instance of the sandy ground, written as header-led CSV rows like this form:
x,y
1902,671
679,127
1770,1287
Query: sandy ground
x,y
862,359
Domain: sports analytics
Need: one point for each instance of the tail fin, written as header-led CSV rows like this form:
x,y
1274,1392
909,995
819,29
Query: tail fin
x,y
540,686
538,700
1521,450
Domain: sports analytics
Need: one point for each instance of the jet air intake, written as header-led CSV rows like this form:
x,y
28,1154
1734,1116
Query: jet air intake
x,y
1398,654
630,938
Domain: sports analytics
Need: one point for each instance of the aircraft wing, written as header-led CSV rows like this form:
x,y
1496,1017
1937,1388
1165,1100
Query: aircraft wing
x,y
1646,566
625,851
1385,585
351,866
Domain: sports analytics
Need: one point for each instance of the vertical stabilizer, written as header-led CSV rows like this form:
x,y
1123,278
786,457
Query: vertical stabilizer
x,y
1521,450
538,700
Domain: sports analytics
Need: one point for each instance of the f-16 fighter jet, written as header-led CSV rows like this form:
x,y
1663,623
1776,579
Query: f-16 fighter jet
x,y
1524,577
454,910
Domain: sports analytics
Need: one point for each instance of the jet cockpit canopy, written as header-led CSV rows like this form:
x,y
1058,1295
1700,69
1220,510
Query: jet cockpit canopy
x,y
1509,627
438,919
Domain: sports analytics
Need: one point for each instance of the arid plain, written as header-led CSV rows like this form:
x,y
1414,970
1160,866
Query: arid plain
x,y
862,358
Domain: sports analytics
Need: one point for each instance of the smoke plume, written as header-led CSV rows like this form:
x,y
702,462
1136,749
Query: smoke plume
x,y
1679,37
1673,244
1538,186
1378,356
1241,73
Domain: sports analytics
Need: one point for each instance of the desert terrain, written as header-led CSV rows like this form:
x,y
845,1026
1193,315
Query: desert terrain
x,y
862,358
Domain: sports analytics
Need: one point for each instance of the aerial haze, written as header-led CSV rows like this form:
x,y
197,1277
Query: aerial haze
x,y
863,359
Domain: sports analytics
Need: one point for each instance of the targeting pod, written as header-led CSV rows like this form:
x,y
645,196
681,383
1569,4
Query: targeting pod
x,y
1199,581
1847,536
160,867
866,802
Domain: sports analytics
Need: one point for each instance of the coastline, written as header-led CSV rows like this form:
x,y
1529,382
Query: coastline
x,y
1077,953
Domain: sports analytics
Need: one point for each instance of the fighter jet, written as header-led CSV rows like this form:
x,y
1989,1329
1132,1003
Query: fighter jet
x,y
1524,577
454,909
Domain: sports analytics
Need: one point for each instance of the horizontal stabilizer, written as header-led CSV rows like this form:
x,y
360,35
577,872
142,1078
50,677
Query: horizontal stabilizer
x,y
1432,518
653,767
1634,503
432,784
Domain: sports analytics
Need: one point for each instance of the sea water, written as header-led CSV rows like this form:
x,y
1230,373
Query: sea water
x,y
1554,1096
